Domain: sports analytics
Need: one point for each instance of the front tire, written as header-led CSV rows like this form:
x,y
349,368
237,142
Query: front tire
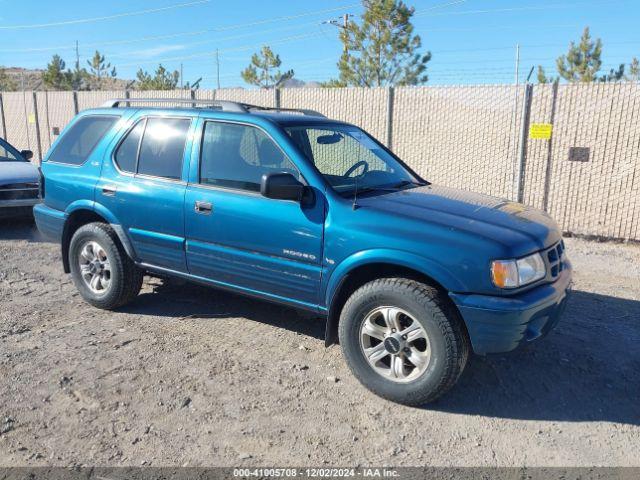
x,y
101,270
403,340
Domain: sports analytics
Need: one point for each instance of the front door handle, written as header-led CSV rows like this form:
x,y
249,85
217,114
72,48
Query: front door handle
x,y
109,190
205,208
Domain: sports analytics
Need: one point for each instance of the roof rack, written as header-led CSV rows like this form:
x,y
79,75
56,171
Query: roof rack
x,y
224,105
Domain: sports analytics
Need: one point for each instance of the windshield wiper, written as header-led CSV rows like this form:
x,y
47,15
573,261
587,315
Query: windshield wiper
x,y
390,188
406,183
393,188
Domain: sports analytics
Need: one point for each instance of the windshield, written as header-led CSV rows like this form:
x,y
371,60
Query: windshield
x,y
350,159
8,153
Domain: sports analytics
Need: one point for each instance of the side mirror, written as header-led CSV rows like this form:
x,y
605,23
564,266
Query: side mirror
x,y
281,186
27,154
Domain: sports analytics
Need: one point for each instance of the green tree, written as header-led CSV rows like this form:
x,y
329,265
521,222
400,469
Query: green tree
x,y
7,84
161,80
542,76
634,70
383,49
80,78
582,62
614,75
264,70
100,69
55,77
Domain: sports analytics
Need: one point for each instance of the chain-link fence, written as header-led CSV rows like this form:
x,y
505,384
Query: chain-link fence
x,y
585,171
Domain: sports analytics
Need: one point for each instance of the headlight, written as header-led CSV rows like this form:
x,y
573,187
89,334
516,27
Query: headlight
x,y
517,273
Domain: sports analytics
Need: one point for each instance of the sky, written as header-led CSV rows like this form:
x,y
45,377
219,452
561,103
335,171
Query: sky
x,y
471,41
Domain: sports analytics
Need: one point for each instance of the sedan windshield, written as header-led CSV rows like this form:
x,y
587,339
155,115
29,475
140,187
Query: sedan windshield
x,y
350,159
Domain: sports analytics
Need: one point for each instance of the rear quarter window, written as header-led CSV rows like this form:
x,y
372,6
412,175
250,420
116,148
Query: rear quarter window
x,y
78,142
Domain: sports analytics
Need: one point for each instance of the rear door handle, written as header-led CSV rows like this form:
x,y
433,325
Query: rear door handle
x,y
109,190
205,208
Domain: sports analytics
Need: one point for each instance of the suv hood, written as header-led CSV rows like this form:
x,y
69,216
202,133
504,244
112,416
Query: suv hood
x,y
520,228
18,172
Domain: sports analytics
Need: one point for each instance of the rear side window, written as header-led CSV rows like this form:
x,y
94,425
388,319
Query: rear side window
x,y
127,154
77,144
162,147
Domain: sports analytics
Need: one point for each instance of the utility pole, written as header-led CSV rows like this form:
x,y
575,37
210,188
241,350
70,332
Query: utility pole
x,y
77,56
344,26
517,63
181,77
218,68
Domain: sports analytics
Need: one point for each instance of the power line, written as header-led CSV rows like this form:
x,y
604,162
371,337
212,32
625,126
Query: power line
x,y
106,17
190,33
212,53
224,39
516,9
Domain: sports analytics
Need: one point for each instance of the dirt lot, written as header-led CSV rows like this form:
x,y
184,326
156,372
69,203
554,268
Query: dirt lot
x,y
191,376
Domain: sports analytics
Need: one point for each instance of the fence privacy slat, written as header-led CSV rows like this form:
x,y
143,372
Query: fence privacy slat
x,y
587,175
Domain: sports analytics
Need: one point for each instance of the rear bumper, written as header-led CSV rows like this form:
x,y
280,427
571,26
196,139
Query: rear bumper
x,y
501,324
50,222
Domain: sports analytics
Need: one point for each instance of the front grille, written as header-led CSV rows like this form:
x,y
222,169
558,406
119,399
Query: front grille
x,y
555,259
20,191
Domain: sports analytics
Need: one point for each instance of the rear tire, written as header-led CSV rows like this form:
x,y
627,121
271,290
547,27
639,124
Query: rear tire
x,y
403,340
101,270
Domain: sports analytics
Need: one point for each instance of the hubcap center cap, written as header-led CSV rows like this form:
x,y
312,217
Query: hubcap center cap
x,y
394,344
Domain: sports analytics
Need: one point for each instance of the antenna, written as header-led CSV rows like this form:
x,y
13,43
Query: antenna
x,y
355,195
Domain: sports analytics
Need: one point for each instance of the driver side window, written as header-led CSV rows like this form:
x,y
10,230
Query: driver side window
x,y
336,155
237,156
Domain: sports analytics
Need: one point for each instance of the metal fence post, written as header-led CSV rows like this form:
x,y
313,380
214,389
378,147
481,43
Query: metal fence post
x,y
276,97
75,102
4,122
390,101
37,123
26,117
547,174
522,151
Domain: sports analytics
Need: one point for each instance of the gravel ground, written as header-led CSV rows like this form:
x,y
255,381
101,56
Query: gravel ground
x,y
193,376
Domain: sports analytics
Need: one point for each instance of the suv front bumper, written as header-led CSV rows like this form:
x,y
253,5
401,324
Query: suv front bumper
x,y
501,324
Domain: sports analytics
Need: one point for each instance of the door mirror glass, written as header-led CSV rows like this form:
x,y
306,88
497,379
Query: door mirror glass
x,y
281,186
27,154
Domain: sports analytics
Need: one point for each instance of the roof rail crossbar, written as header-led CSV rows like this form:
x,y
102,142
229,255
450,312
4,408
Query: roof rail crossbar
x,y
304,111
224,105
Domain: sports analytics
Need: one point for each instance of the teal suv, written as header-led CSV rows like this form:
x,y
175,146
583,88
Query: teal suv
x,y
295,208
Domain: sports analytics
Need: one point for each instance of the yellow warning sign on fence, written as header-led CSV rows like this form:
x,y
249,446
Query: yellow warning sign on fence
x,y
540,131
31,118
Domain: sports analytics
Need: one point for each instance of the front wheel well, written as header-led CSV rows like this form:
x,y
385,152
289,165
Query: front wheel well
x,y
357,278
76,220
